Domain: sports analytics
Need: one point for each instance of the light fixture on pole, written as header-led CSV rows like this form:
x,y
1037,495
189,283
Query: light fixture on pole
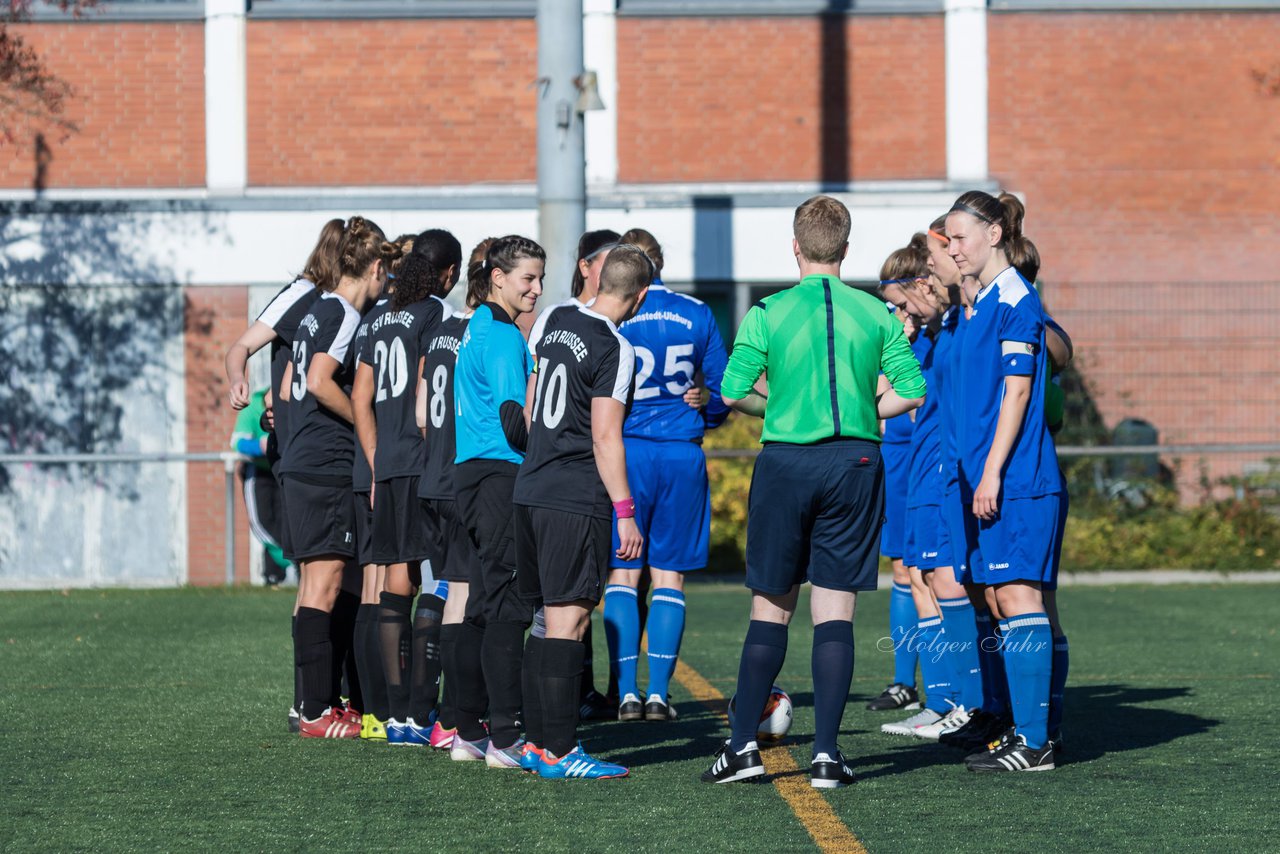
x,y
588,92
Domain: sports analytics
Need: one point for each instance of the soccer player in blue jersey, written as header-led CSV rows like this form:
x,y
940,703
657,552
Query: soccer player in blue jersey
x,y
676,340
1007,464
489,399
895,448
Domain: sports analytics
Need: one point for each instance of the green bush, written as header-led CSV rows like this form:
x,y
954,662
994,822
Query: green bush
x,y
1155,532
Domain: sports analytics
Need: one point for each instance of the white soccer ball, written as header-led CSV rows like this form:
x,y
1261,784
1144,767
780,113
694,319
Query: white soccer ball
x,y
775,722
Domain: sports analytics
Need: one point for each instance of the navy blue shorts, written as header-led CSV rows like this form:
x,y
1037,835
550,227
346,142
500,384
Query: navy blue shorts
x,y
897,461
928,542
814,515
673,505
1022,543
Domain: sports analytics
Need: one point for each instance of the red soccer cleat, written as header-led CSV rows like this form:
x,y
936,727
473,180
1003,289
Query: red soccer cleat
x,y
332,724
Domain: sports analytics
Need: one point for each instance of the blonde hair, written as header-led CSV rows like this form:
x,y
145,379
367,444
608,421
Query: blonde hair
x,y
647,243
821,227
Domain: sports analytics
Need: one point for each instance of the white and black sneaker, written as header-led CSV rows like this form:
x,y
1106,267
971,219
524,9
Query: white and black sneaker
x,y
994,746
630,708
924,717
896,696
951,721
731,767
295,720
1015,756
829,773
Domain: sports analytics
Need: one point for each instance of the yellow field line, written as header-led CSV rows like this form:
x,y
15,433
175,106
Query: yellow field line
x,y
819,819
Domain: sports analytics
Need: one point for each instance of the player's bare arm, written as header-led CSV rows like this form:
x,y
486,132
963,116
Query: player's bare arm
x,y
250,341
1017,393
321,383
607,416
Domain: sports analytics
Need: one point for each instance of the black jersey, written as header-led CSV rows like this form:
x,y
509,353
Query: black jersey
x,y
323,442
581,356
437,371
397,341
283,314
361,471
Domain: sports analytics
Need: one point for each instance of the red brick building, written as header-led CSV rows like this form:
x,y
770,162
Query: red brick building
x,y
215,140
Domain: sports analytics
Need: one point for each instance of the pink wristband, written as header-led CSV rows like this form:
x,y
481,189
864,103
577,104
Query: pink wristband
x,y
626,508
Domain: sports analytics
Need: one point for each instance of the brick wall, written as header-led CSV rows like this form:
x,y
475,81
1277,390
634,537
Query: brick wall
x,y
1170,175
138,101
400,102
781,99
215,317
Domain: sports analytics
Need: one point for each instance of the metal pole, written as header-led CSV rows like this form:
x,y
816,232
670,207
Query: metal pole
x,y
562,181
229,526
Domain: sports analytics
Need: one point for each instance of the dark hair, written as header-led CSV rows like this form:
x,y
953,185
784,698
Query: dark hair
x,y
905,264
649,244
422,273
502,253
627,271
478,275
321,268
588,244
1007,211
363,243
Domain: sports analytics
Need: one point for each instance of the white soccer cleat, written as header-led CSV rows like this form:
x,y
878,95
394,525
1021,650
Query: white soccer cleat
x,y
950,722
924,717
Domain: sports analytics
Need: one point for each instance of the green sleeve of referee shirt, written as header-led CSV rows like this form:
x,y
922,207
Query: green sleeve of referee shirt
x,y
899,364
750,354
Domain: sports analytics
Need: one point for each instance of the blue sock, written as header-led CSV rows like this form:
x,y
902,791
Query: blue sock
x,y
935,670
962,649
1058,685
832,674
622,632
763,651
665,628
995,689
902,624
1028,659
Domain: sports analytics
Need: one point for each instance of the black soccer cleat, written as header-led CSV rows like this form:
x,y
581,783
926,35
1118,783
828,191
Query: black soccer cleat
x,y
979,727
630,709
731,767
295,720
980,739
658,709
1015,756
896,696
1002,741
828,773
596,707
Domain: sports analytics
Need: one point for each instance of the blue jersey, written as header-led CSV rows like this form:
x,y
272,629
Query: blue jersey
x,y
493,367
946,356
675,337
1005,337
924,472
898,430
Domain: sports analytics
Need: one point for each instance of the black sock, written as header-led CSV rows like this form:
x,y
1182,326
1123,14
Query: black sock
x,y
360,649
342,626
424,683
375,679
297,667
832,674
470,700
559,683
449,667
315,656
531,679
395,635
763,651
502,654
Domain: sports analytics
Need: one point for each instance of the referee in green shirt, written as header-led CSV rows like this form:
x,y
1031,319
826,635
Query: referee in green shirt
x,y
817,492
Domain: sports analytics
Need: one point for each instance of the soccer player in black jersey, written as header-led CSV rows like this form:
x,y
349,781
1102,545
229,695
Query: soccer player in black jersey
x,y
573,479
398,342
277,325
317,466
454,556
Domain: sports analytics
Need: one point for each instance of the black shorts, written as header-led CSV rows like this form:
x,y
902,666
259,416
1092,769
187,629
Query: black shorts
x,y
814,515
568,552
453,555
364,529
399,533
283,524
484,489
321,519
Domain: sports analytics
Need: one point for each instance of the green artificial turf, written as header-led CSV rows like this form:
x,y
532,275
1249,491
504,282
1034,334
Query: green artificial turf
x,y
155,720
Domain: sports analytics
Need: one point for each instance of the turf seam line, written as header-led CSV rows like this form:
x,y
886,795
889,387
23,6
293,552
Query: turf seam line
x,y
829,833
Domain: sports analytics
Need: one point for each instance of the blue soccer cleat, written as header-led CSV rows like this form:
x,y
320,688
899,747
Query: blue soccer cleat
x,y
530,758
410,733
576,764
